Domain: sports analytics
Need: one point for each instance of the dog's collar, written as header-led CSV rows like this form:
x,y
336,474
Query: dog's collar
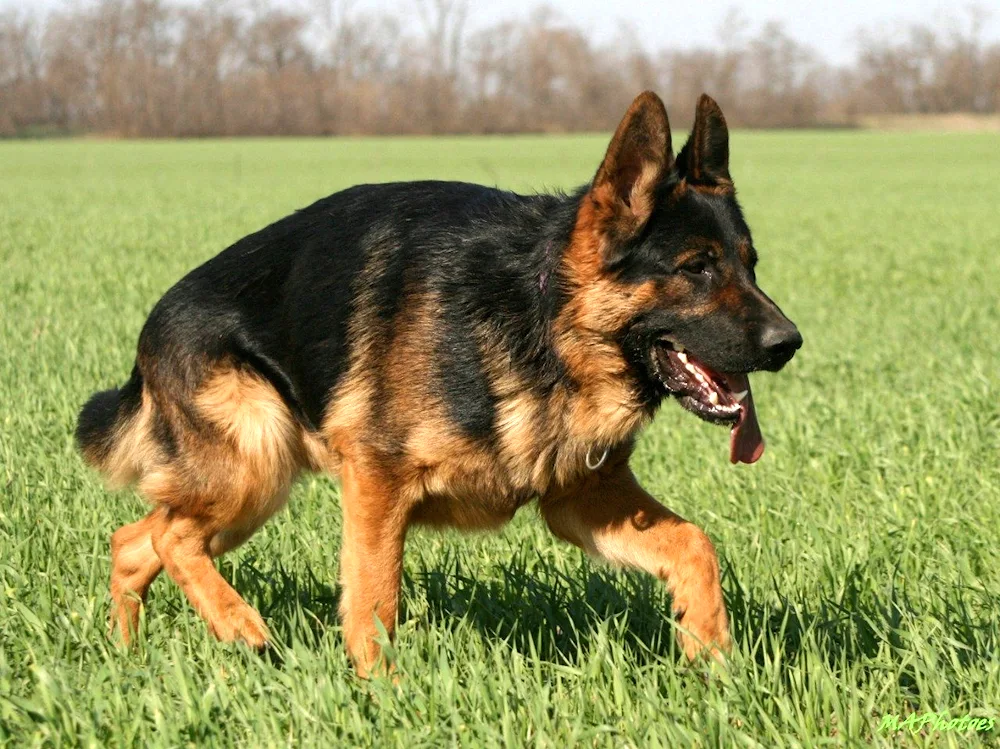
x,y
600,461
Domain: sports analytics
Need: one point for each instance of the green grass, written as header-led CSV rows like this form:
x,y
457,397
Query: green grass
x,y
860,563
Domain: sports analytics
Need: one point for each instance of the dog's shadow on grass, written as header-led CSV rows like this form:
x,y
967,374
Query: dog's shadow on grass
x,y
296,605
553,616
557,616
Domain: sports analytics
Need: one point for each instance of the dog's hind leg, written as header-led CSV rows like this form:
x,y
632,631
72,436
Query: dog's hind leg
x,y
610,516
134,566
239,451
184,544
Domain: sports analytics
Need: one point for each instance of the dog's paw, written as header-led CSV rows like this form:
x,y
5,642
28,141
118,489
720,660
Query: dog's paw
x,y
705,640
242,624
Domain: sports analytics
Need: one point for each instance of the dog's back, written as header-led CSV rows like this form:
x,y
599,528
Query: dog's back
x,y
289,307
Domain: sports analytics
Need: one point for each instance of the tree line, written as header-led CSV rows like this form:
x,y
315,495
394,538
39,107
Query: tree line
x,y
158,68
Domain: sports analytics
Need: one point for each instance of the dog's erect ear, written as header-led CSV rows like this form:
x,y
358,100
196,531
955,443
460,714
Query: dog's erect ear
x,y
705,157
639,156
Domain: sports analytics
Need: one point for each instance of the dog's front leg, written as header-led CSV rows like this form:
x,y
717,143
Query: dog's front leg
x,y
371,561
610,516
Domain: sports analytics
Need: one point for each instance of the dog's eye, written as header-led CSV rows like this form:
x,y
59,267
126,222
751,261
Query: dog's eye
x,y
696,267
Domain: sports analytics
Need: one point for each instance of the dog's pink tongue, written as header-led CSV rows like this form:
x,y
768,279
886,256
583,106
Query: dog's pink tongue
x,y
746,444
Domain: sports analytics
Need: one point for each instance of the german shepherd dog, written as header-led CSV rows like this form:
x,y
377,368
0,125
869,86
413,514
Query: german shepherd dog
x,y
452,352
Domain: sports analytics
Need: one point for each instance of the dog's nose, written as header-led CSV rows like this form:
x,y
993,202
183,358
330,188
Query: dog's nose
x,y
780,342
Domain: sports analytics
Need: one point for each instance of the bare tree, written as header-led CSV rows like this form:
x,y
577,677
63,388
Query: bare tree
x,y
436,89
254,67
22,89
444,22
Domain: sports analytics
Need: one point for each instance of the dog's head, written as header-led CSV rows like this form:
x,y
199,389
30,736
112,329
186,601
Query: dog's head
x,y
662,241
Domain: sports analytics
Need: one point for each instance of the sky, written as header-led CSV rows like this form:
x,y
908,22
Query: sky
x,y
829,26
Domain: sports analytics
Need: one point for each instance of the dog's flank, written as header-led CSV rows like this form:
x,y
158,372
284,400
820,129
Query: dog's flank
x,y
451,351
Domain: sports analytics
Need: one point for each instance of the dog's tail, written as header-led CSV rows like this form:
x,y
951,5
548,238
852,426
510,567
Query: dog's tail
x,y
110,431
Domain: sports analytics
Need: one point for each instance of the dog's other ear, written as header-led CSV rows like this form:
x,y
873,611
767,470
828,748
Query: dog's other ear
x,y
705,157
638,157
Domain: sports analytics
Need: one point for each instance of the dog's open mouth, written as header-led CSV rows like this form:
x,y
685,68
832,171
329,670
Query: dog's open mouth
x,y
717,397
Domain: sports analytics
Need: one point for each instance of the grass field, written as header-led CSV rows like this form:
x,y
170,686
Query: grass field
x,y
859,557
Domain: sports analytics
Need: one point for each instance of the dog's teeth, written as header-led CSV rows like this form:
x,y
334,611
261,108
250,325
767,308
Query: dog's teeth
x,y
713,397
682,356
740,395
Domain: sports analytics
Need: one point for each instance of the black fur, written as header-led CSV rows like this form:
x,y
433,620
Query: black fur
x,y
280,300
104,412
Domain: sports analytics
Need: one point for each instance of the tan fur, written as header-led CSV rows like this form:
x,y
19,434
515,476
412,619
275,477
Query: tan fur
x,y
605,410
262,447
182,544
371,557
611,517
134,566
641,195
133,451
721,188
350,406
